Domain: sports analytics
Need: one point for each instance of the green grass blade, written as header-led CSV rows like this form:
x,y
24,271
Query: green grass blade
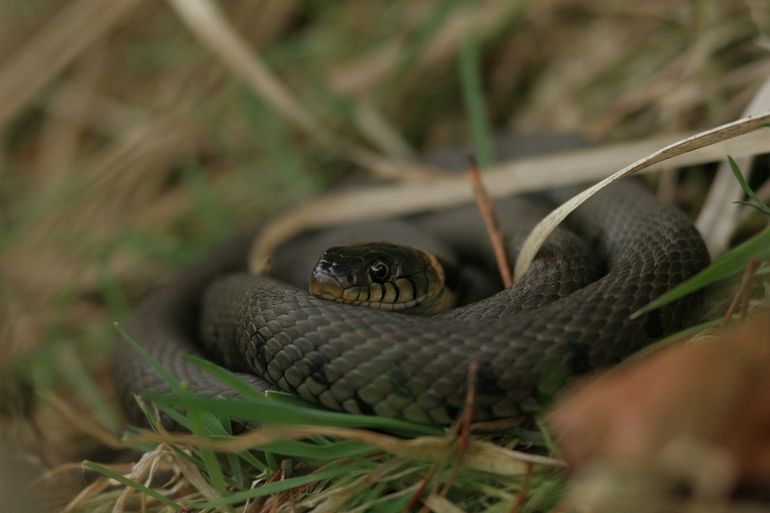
x,y
759,206
254,461
755,201
174,415
266,411
112,292
216,430
132,484
686,333
236,469
272,463
210,462
169,378
742,181
74,371
279,486
473,94
206,425
227,377
246,389
731,263
287,398
548,440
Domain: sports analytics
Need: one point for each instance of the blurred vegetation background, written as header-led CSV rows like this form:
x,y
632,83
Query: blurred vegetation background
x,y
134,134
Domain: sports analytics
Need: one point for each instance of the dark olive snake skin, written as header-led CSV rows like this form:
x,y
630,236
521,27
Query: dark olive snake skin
x,y
557,323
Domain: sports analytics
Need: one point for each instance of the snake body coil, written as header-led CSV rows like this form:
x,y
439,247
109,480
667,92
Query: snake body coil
x,y
527,342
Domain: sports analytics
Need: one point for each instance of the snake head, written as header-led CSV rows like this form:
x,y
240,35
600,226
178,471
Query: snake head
x,y
383,276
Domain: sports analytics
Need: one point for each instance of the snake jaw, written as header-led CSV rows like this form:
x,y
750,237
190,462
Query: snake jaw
x,y
332,291
325,289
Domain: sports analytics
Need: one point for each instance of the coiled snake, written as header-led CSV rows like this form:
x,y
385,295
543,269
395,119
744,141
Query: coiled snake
x,y
566,317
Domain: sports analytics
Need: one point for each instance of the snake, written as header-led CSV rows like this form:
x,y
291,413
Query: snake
x,y
568,316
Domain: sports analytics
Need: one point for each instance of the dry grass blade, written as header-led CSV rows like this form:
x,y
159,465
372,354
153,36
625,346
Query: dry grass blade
x,y
144,468
439,504
85,494
72,30
207,22
511,177
378,130
703,139
194,476
483,456
104,115
89,427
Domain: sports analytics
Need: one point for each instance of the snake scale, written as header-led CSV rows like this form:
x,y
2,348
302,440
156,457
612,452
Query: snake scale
x,y
567,316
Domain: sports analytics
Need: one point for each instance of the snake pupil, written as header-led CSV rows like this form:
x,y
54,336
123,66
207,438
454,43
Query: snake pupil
x,y
379,271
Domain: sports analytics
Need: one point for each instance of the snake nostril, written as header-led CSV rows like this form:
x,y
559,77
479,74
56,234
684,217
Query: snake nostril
x,y
322,266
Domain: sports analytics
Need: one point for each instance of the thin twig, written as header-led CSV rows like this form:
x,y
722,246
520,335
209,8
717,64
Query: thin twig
x,y
488,426
463,428
420,491
487,211
521,497
747,286
743,291
470,407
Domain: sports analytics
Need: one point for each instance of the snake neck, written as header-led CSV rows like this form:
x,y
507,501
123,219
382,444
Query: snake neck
x,y
442,297
445,300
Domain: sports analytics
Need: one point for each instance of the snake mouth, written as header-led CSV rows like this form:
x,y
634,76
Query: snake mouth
x,y
325,288
333,291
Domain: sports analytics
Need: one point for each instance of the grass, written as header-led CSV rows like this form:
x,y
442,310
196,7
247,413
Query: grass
x,y
143,148
405,453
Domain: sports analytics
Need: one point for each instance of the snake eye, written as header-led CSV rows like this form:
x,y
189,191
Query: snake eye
x,y
379,271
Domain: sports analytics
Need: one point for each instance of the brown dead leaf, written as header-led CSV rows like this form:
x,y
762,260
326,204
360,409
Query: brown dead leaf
x,y
712,393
